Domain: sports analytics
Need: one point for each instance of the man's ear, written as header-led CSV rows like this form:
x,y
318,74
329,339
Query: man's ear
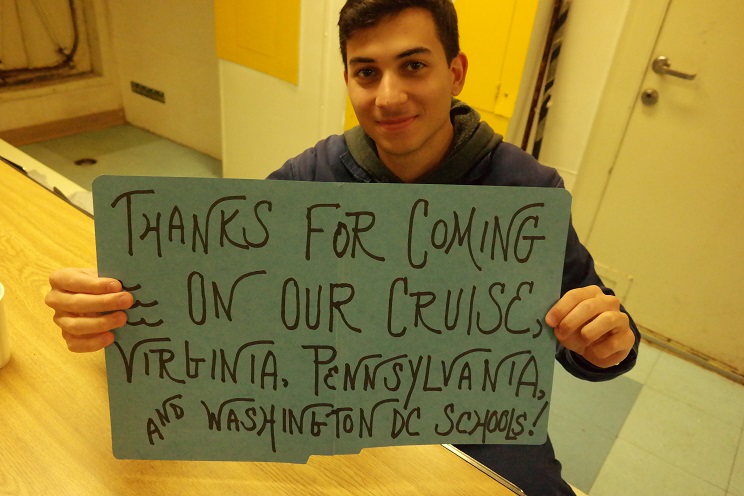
x,y
459,69
346,77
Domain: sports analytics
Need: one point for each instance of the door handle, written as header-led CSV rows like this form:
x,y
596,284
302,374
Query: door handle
x,y
661,65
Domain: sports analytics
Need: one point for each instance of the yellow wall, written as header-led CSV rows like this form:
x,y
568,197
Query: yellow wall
x,y
260,34
495,35
266,120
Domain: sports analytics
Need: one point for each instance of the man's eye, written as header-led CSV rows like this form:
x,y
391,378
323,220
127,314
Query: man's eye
x,y
365,73
415,65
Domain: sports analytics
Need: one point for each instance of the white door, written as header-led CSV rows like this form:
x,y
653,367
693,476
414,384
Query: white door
x,y
672,216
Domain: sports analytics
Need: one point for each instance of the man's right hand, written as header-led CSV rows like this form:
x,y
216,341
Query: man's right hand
x,y
87,307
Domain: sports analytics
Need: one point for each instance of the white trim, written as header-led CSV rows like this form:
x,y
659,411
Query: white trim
x,y
518,121
618,99
333,90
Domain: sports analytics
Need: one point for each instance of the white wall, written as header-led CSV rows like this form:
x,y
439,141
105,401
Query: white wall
x,y
169,45
265,120
591,39
44,31
23,106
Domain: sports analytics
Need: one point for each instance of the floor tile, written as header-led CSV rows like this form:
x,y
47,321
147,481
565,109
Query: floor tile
x,y
647,357
599,403
101,141
585,420
736,484
630,470
688,438
698,387
82,176
122,150
580,447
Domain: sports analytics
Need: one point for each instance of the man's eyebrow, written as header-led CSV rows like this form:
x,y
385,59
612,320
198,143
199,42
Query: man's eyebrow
x,y
361,60
402,55
413,51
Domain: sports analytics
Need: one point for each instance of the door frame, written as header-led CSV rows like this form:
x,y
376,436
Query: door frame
x,y
618,99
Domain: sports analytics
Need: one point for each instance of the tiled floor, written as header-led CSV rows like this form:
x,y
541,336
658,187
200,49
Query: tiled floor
x,y
125,150
667,428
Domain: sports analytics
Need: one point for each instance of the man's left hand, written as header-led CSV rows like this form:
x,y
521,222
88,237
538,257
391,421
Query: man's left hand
x,y
590,323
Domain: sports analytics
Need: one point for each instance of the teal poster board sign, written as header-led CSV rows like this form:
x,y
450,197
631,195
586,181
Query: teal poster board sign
x,y
277,320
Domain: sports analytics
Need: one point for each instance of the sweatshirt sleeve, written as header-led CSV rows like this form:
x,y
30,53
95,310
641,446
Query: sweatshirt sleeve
x,y
578,272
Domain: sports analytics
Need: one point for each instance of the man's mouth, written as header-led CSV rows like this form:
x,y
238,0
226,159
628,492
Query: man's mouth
x,y
395,124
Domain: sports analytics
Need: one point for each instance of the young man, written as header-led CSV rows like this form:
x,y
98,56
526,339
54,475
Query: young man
x,y
403,68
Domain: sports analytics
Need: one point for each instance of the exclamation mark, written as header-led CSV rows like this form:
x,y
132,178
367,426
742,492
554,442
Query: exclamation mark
x,y
537,419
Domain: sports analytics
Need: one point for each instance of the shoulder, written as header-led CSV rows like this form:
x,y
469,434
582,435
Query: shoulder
x,y
509,165
322,162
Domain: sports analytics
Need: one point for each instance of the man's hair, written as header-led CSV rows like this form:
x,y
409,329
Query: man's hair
x,y
360,14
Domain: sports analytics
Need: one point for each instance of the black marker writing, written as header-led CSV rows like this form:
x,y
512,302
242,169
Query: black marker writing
x,y
250,363
481,238
486,421
472,310
472,369
225,215
337,296
197,296
345,239
164,418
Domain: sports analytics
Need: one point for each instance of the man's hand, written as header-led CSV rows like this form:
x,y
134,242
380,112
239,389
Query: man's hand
x,y
87,307
590,323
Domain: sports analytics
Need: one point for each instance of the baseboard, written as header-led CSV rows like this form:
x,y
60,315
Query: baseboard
x,y
66,127
691,355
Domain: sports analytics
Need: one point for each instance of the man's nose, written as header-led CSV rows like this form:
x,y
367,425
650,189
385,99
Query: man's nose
x,y
391,91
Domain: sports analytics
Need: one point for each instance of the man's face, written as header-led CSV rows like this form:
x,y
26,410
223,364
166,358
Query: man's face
x,y
400,85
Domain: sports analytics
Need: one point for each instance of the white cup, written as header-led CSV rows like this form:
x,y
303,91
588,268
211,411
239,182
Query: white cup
x,y
4,331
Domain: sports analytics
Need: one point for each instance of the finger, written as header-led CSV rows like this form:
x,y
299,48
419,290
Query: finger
x,y
83,281
608,351
85,344
604,324
568,302
572,341
91,324
82,303
586,311
580,337
618,341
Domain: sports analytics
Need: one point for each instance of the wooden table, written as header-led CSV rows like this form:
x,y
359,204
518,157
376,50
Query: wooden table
x,y
55,432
